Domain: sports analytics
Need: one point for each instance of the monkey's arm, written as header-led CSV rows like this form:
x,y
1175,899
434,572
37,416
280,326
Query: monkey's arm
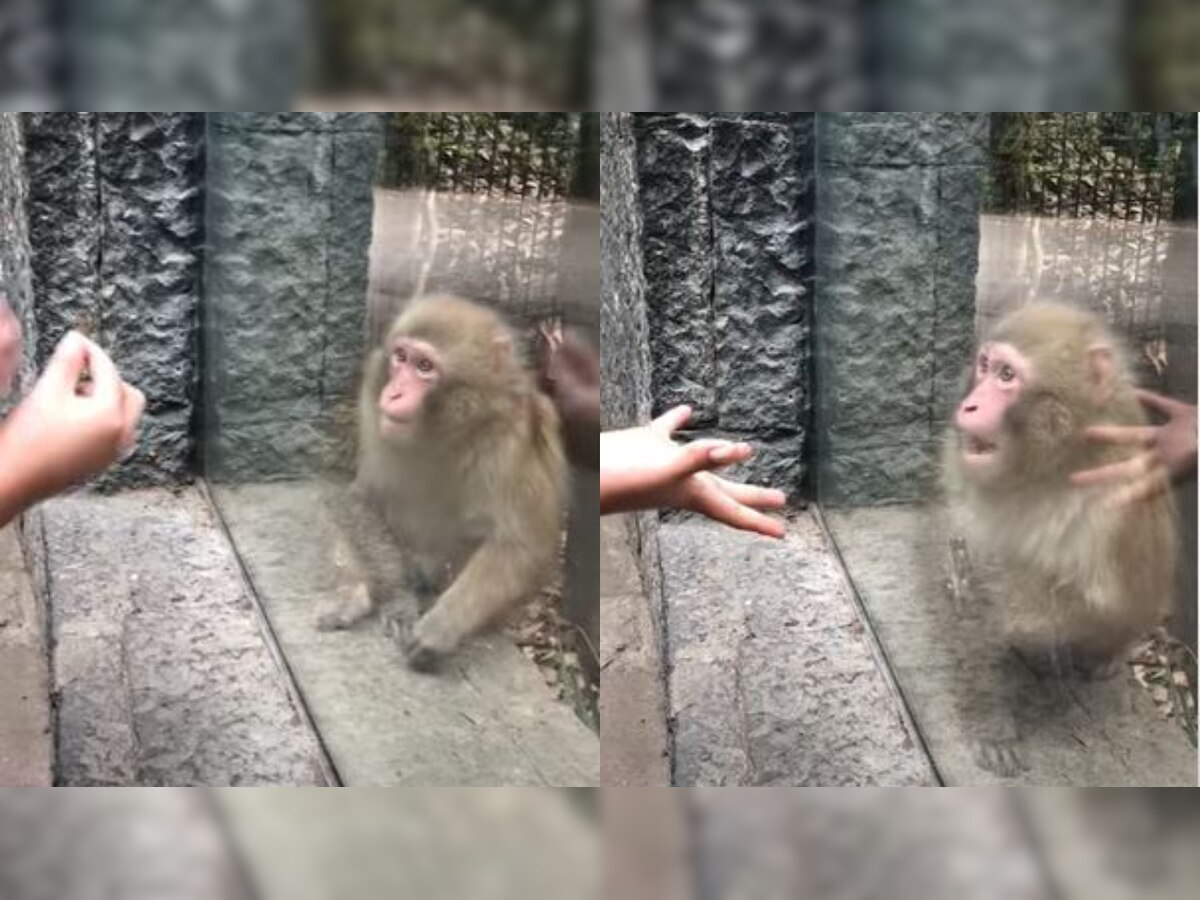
x,y
370,565
502,573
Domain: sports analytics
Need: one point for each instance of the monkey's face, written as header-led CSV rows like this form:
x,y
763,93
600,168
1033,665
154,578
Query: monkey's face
x,y
413,371
1001,374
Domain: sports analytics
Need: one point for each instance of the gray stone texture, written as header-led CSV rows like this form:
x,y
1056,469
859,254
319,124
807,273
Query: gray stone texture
x,y
16,279
288,216
897,251
634,745
115,227
772,676
26,739
161,672
677,250
624,330
184,54
727,204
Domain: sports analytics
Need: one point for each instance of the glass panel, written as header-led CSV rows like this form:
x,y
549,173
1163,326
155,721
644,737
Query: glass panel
x,y
316,243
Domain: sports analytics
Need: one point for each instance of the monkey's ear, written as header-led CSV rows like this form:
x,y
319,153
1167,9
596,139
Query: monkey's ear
x,y
1102,372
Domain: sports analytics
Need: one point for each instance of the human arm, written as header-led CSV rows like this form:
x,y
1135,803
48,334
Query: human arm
x,y
68,428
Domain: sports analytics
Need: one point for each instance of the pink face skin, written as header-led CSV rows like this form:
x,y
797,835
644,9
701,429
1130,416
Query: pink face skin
x,y
1001,373
413,368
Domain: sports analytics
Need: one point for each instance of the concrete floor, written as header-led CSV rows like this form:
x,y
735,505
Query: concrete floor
x,y
971,697
167,667
487,719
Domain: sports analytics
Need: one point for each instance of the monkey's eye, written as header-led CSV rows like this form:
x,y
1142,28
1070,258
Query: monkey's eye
x,y
1006,373
399,355
425,366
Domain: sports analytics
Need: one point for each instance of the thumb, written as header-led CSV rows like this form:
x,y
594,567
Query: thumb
x,y
672,420
66,364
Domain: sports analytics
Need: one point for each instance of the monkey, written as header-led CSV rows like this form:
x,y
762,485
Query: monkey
x,y
1079,576
460,488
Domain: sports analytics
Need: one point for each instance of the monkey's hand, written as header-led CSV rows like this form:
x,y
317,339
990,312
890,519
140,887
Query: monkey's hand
x,y
642,468
1168,452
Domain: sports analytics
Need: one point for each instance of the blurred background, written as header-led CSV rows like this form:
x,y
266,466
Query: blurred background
x,y
465,55
176,844
898,844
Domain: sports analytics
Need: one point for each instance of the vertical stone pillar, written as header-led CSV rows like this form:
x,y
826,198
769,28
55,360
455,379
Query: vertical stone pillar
x,y
897,251
115,231
288,218
727,203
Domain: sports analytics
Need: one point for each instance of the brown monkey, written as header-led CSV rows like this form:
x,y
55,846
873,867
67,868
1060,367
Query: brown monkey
x,y
460,487
1078,572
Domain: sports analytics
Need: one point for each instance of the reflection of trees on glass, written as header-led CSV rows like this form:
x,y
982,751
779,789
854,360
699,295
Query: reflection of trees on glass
x,y
535,52
1092,208
476,203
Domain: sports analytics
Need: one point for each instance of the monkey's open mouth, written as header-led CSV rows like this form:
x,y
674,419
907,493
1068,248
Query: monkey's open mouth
x,y
977,446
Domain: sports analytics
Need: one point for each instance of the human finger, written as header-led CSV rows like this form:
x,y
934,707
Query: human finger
x,y
709,453
106,382
753,495
66,363
133,402
1125,470
1159,402
672,420
1125,435
1150,485
718,505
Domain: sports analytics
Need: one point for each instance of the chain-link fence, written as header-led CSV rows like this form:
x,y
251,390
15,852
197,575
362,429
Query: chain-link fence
x,y
1097,209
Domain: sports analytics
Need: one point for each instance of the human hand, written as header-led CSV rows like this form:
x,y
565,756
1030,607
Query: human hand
x,y
79,418
642,468
572,379
1168,451
10,346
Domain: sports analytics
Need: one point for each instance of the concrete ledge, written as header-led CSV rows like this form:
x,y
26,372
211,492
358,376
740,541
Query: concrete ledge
x,y
159,663
633,721
26,742
773,679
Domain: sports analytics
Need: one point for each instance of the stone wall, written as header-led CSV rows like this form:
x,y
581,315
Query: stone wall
x,y
897,251
625,358
288,215
115,229
727,203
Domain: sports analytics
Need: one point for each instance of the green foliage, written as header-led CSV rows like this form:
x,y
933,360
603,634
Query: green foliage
x,y
523,154
454,46
1129,166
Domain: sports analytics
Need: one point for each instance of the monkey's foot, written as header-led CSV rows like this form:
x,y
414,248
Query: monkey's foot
x,y
339,613
999,758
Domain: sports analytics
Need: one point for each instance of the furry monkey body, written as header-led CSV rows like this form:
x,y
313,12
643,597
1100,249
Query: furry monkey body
x,y
460,487
1072,569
